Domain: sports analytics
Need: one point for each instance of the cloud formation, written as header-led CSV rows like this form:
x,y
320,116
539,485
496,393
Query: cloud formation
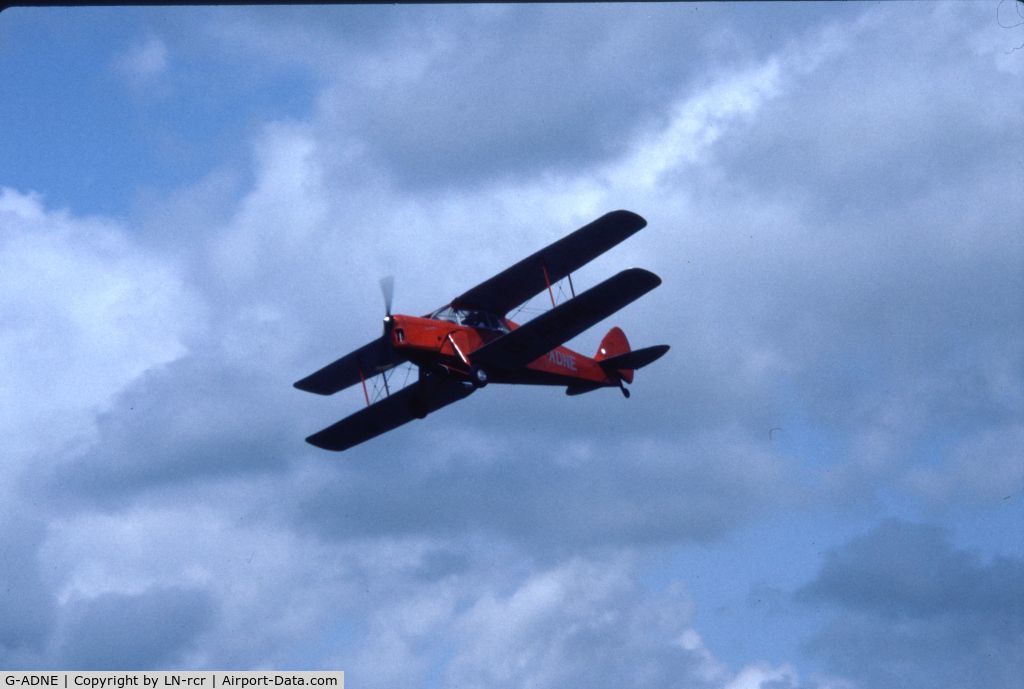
x,y
926,613
85,312
134,632
144,63
828,205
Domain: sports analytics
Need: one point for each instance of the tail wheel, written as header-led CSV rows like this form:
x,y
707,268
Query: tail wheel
x,y
477,376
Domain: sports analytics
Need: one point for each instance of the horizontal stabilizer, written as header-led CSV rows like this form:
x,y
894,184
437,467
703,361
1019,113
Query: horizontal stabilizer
x,y
367,361
638,358
411,402
565,321
520,282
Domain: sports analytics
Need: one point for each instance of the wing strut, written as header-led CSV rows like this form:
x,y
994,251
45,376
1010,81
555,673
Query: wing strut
x,y
458,350
362,379
547,281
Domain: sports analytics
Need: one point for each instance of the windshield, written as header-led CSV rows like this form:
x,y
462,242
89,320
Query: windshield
x,y
470,318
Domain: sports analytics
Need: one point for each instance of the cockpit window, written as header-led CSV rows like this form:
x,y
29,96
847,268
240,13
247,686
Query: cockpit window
x,y
470,318
445,313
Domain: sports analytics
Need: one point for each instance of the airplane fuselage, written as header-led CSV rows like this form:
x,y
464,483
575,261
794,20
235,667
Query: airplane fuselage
x,y
430,343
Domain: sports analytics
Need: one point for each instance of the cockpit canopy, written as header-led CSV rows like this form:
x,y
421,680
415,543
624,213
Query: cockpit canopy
x,y
470,318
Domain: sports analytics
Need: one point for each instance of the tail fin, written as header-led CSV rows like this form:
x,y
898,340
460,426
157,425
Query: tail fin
x,y
617,359
613,346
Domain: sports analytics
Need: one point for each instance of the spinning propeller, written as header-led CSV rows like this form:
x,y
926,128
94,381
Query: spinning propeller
x,y
387,288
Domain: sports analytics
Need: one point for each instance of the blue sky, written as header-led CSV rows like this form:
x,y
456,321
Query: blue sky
x,y
196,205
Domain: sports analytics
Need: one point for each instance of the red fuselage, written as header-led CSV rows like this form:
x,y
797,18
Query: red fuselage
x,y
428,341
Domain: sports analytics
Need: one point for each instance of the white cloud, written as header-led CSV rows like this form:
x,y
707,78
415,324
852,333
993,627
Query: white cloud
x,y
144,62
422,557
581,622
84,312
279,219
756,676
695,125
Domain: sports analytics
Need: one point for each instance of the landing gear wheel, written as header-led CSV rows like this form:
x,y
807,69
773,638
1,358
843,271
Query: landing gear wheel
x,y
625,392
477,376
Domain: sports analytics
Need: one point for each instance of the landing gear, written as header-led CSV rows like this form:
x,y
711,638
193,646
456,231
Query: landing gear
x,y
625,391
477,376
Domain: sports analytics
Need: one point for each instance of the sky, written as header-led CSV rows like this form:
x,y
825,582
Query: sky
x,y
197,204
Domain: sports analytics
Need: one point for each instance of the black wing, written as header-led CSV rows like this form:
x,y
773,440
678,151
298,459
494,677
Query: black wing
x,y
565,321
515,285
369,360
411,402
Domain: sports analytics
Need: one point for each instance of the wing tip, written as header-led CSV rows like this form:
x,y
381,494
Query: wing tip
x,y
627,217
307,386
659,351
643,275
316,441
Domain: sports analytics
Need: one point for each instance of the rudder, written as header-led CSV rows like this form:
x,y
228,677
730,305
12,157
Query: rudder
x,y
615,344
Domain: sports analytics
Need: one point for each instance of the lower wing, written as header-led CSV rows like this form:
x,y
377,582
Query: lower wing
x,y
412,402
369,360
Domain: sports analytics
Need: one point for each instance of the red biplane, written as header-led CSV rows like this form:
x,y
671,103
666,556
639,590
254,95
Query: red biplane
x,y
470,342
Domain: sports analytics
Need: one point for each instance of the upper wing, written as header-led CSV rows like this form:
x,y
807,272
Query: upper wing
x,y
410,402
565,321
369,360
515,285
